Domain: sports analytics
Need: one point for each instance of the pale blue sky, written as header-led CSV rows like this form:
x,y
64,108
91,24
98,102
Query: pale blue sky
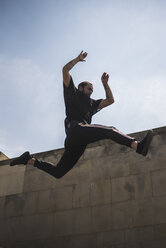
x,y
124,38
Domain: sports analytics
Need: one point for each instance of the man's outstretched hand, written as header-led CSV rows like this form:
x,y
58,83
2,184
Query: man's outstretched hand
x,y
104,78
82,56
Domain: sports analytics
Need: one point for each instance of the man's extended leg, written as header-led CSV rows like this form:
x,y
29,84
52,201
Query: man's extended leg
x,y
90,133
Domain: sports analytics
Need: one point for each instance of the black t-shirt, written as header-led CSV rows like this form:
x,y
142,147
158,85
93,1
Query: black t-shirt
x,y
79,106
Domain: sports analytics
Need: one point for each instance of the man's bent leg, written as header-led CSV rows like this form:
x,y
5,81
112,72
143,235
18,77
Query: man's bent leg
x,y
69,158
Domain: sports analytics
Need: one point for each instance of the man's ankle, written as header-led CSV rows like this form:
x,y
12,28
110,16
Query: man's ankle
x,y
31,161
134,145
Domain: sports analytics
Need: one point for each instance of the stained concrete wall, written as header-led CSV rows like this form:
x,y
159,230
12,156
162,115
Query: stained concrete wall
x,y
112,198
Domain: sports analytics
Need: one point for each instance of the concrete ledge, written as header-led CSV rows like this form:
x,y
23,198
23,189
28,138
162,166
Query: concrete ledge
x,y
157,131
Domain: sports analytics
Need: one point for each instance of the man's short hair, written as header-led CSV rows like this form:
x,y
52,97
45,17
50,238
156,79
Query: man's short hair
x,y
82,84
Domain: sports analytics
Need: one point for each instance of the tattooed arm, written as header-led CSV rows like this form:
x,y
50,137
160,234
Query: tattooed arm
x,y
70,65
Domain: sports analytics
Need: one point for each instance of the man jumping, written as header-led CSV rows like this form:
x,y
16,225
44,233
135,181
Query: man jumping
x,y
80,108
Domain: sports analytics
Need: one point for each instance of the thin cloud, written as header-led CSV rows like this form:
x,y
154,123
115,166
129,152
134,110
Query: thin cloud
x,y
35,110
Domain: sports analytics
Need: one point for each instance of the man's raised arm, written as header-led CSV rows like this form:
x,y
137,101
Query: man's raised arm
x,y
109,96
70,65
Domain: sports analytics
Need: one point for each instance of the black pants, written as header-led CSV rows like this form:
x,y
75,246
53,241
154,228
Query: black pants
x,y
76,141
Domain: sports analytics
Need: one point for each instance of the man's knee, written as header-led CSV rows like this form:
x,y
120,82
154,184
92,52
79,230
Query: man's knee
x,y
60,173
58,176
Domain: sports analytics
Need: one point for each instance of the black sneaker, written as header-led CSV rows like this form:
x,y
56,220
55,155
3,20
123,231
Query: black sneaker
x,y
143,146
23,159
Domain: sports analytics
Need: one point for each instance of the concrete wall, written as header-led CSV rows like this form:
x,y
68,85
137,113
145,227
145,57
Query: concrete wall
x,y
112,198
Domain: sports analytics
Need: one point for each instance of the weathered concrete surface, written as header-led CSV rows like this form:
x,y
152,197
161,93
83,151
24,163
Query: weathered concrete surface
x,y
112,198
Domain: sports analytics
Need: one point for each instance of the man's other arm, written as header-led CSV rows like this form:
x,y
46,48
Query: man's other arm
x,y
109,96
